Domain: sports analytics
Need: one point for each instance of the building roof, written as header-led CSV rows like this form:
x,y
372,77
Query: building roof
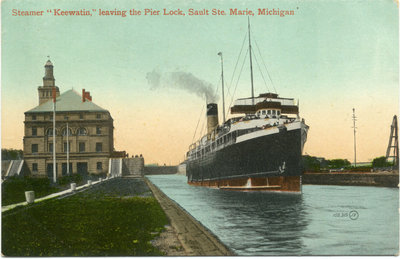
x,y
48,63
66,102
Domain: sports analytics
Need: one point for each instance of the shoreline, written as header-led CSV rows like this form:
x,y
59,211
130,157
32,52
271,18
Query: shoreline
x,y
383,179
196,239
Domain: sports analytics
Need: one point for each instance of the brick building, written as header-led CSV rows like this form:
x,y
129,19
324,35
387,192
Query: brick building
x,y
88,140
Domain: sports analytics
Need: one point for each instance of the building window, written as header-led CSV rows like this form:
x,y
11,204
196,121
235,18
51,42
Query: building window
x,y
51,117
81,116
50,132
81,146
65,169
82,132
50,147
34,131
35,148
64,132
98,130
99,165
99,147
33,117
34,167
67,148
98,116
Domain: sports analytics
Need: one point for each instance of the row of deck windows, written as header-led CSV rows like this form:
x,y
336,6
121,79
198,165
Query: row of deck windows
x,y
269,112
225,139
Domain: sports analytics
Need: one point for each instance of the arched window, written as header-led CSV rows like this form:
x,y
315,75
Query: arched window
x,y
64,132
50,132
82,132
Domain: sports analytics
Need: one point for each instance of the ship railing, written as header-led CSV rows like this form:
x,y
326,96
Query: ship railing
x,y
258,100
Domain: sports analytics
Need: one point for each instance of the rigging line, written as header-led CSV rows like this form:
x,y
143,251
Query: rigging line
x,y
194,135
237,82
262,75
237,62
201,114
265,66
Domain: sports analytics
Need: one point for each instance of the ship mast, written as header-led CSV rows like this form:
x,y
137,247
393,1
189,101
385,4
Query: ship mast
x,y
223,95
251,66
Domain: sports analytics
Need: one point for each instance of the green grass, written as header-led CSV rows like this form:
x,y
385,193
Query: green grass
x,y
83,225
13,189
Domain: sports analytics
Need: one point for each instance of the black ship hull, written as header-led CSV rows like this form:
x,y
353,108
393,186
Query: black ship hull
x,y
270,162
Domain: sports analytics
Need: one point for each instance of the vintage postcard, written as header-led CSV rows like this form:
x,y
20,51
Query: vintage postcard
x,y
199,128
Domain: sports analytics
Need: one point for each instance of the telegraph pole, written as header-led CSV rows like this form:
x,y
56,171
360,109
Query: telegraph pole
x,y
354,127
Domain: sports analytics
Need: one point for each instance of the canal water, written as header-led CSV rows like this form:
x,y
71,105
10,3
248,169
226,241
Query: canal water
x,y
323,220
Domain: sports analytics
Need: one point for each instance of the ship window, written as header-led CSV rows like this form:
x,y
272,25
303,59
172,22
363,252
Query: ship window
x,y
269,111
263,112
273,112
278,112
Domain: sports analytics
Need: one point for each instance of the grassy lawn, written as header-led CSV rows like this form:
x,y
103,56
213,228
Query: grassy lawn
x,y
85,224
13,189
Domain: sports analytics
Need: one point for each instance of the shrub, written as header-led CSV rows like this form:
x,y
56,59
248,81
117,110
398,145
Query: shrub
x,y
14,188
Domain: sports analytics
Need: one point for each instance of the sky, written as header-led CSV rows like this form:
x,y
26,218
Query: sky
x,y
332,56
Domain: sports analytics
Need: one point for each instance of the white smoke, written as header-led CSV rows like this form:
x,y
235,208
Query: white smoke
x,y
182,80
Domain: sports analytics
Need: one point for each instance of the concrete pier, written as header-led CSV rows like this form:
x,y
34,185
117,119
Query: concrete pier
x,y
195,238
381,179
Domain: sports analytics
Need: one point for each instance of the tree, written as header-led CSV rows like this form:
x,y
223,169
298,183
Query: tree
x,y
339,163
380,162
311,163
11,154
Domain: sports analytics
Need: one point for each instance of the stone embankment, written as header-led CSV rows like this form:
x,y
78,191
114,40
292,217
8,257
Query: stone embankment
x,y
153,170
381,179
194,237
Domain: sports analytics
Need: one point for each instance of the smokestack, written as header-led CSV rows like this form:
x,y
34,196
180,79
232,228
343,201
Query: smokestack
x,y
212,117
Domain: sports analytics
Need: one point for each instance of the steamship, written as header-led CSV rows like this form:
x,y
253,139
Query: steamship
x,y
260,150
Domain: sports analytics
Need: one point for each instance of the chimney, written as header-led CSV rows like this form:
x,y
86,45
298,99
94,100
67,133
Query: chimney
x,y
86,95
212,117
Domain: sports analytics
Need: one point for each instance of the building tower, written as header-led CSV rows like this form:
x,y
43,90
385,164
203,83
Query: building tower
x,y
45,91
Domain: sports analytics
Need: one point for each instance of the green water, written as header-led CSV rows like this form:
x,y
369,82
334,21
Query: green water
x,y
323,220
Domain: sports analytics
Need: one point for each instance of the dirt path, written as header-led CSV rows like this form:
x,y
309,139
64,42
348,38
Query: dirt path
x,y
194,237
